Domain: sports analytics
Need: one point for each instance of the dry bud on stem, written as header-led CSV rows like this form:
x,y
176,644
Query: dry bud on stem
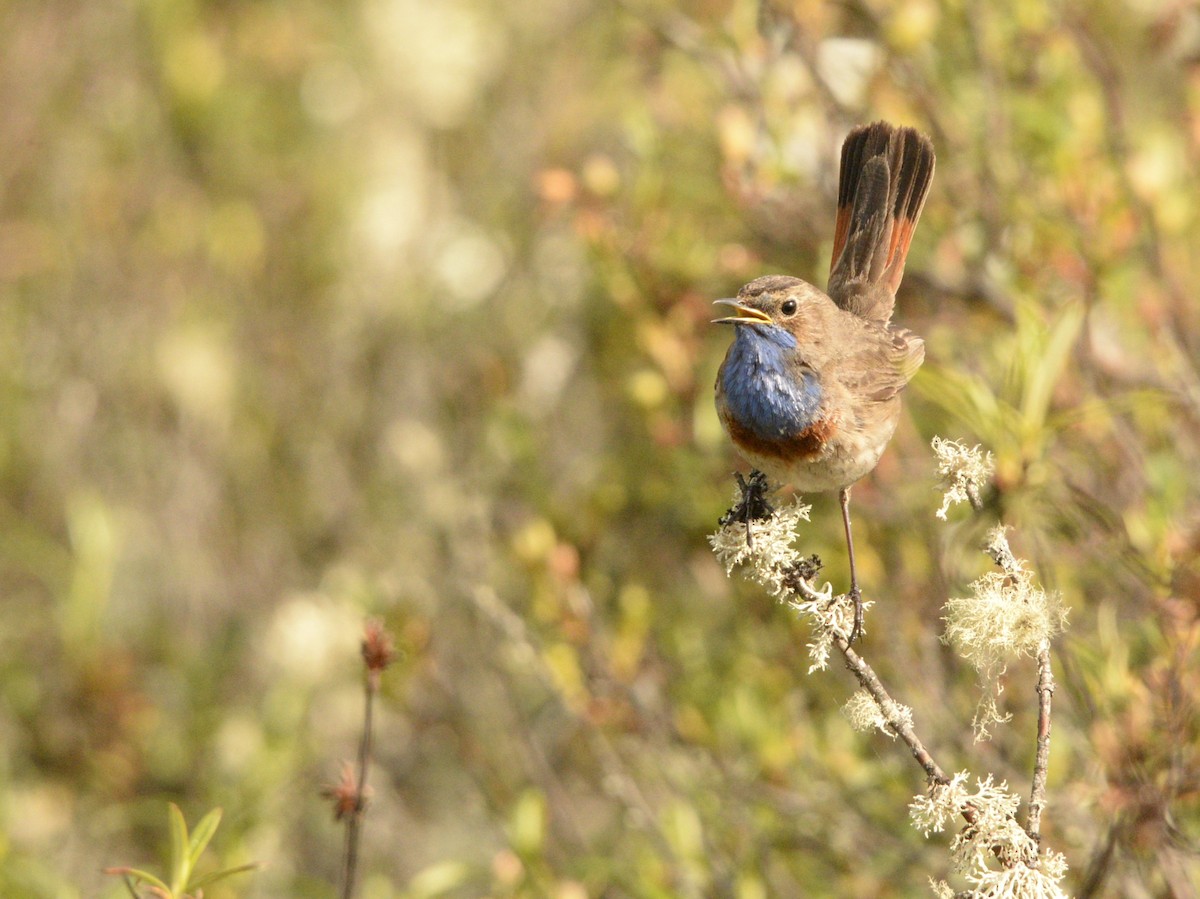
x,y
345,795
378,651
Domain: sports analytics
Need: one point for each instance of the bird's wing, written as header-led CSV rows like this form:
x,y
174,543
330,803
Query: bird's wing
x,y
882,365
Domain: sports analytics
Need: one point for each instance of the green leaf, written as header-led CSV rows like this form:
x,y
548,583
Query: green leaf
x,y
201,835
964,396
1045,371
180,866
212,878
145,876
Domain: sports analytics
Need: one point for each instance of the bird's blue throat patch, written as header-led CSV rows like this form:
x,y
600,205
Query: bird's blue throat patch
x,y
765,391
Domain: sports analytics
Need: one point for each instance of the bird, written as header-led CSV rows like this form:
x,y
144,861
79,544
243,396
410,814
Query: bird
x,y
809,390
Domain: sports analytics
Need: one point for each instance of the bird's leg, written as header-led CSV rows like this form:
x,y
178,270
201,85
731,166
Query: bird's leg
x,y
747,503
855,592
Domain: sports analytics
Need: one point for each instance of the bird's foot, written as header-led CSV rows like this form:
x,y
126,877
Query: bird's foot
x,y
754,505
857,631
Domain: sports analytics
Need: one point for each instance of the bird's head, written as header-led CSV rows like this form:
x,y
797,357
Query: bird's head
x,y
778,308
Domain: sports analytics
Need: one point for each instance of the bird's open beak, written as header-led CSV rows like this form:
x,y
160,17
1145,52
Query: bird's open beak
x,y
743,314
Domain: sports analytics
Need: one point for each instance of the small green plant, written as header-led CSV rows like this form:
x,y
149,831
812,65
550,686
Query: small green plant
x,y
186,850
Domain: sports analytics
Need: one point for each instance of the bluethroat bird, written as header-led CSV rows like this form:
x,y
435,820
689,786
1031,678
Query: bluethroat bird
x,y
809,391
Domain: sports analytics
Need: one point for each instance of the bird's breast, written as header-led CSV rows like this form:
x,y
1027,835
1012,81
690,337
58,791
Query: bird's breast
x,y
769,402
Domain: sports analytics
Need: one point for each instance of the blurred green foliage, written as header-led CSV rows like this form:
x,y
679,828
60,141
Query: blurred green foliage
x,y
314,311
182,880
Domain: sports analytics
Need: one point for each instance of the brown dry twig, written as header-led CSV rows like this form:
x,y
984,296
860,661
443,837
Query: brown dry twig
x,y
350,794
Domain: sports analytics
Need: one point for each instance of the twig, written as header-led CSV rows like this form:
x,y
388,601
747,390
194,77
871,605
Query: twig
x,y
354,820
870,682
1045,692
797,578
350,794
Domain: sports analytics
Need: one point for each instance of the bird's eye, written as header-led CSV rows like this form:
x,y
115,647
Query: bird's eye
x,y
788,307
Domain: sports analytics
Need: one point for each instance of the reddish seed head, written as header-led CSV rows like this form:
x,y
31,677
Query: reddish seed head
x,y
345,795
378,649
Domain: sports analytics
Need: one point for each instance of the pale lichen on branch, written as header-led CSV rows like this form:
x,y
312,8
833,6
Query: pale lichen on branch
x,y
963,471
1007,616
763,546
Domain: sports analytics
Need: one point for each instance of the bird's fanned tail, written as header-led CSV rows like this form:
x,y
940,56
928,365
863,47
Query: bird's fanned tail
x,y
885,177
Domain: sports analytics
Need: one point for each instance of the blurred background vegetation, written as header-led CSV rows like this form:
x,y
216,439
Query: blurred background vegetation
x,y
317,311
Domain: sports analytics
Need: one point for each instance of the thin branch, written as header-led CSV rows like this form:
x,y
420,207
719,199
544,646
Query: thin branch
x,y
870,682
797,575
350,793
354,820
1004,557
1045,692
